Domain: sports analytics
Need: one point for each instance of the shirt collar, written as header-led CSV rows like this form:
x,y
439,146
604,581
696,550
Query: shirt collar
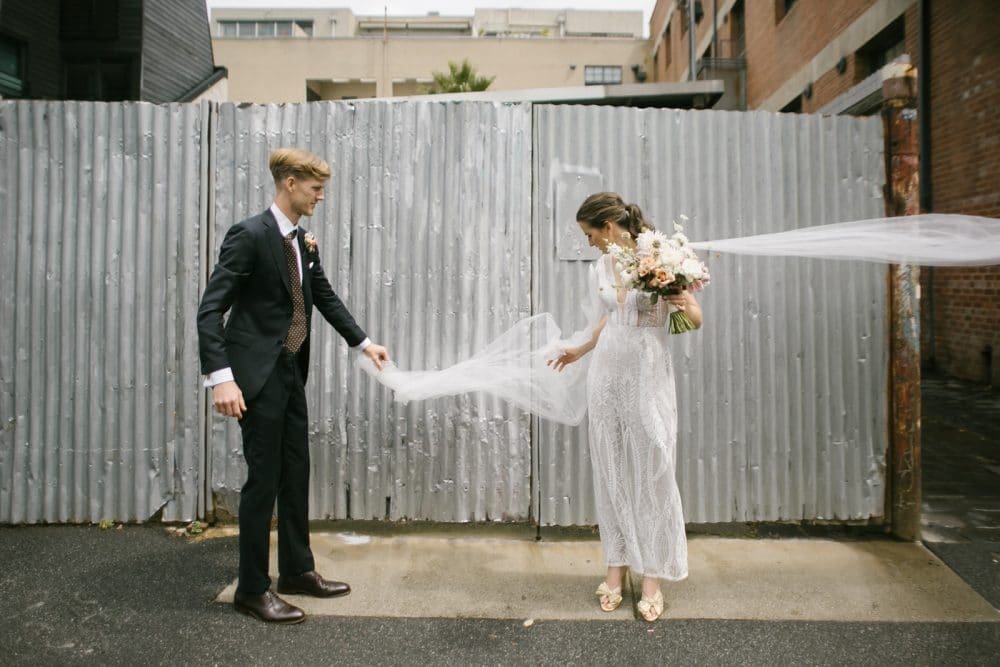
x,y
285,225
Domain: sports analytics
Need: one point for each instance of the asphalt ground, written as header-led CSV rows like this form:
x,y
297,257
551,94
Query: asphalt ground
x,y
139,595
960,446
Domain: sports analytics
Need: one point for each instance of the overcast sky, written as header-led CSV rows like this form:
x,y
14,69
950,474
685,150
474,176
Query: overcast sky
x,y
444,6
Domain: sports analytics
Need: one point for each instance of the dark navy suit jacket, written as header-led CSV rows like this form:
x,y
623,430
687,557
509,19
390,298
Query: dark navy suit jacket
x,y
251,280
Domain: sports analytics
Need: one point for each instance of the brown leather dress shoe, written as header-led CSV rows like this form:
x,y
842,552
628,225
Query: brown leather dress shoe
x,y
268,607
310,583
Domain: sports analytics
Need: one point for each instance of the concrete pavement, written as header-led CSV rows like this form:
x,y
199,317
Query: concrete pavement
x,y
473,574
81,595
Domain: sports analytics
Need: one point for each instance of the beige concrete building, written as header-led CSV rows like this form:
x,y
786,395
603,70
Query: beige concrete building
x,y
297,55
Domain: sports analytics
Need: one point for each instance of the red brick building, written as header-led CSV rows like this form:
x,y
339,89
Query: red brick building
x,y
816,56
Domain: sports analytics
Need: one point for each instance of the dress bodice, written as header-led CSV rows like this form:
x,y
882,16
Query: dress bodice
x,y
627,307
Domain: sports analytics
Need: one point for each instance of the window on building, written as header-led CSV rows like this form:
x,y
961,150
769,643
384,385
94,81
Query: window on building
x,y
594,75
666,47
109,80
795,106
699,14
11,68
737,32
265,29
885,47
781,8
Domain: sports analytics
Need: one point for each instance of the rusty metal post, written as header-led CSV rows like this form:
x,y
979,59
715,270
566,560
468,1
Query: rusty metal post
x,y
902,197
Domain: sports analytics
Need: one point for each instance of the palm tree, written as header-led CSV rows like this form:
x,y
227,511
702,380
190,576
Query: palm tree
x,y
459,79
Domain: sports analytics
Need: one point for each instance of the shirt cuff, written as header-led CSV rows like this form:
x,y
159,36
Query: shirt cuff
x,y
219,376
360,347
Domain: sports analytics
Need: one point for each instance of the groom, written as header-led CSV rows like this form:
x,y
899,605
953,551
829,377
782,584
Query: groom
x,y
269,278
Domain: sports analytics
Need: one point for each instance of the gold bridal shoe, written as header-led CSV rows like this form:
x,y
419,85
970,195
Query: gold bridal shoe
x,y
611,598
651,608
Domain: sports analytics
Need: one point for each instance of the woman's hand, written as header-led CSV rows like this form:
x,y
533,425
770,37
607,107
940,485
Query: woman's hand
x,y
685,302
568,356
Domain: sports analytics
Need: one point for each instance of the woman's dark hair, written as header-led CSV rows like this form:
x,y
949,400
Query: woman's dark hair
x,y
603,207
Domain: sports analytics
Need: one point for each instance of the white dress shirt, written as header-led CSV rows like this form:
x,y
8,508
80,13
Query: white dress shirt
x,y
286,227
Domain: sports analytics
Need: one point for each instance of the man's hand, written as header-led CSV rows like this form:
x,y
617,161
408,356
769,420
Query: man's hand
x,y
228,400
378,354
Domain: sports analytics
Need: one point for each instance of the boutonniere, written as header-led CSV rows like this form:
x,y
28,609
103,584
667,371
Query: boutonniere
x,y
310,241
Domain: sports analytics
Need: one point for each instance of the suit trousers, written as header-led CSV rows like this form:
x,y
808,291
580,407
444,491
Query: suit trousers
x,y
276,449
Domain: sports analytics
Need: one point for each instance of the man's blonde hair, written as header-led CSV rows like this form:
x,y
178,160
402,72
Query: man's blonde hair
x,y
299,163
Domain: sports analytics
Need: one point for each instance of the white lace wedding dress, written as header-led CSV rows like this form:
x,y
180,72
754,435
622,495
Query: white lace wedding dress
x,y
632,404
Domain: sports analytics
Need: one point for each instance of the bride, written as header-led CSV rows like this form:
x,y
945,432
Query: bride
x,y
627,384
632,408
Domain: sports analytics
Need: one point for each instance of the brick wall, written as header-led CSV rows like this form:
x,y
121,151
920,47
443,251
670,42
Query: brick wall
x,y
777,49
965,129
833,84
672,65
965,173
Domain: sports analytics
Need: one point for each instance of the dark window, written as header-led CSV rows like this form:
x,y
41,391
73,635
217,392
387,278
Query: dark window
x,y
284,28
781,8
602,74
227,28
737,32
795,106
89,20
246,28
265,29
667,47
106,80
11,68
882,49
304,27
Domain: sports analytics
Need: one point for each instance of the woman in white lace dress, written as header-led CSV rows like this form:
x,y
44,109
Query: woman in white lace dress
x,y
632,406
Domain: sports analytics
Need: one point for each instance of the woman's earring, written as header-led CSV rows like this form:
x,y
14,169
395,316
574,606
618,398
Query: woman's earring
x,y
625,236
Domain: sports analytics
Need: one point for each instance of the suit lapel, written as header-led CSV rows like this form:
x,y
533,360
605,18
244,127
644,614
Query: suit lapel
x,y
276,244
306,282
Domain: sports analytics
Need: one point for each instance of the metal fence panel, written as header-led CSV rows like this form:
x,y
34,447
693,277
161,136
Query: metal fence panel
x,y
430,234
100,259
782,395
425,234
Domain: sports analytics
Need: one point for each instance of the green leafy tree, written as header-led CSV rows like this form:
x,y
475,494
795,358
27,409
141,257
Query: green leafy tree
x,y
460,78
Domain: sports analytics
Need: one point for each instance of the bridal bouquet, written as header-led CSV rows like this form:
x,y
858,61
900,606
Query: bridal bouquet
x,y
662,265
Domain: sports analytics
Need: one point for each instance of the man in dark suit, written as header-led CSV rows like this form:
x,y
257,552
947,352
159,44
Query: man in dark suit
x,y
269,278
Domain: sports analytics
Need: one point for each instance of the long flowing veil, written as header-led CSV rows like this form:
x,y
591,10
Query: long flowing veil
x,y
514,367
929,239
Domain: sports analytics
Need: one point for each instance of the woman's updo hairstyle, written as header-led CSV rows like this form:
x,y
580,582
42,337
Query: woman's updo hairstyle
x,y
604,207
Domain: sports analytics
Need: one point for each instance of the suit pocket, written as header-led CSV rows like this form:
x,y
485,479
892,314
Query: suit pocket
x,y
240,337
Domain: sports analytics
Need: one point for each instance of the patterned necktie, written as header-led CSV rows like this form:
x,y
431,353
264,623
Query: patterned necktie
x,y
297,330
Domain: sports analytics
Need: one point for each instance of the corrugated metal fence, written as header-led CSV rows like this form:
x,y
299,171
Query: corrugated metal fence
x,y
100,259
782,394
426,234
444,223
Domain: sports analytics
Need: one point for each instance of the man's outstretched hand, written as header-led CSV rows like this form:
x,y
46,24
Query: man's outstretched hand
x,y
378,354
228,400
